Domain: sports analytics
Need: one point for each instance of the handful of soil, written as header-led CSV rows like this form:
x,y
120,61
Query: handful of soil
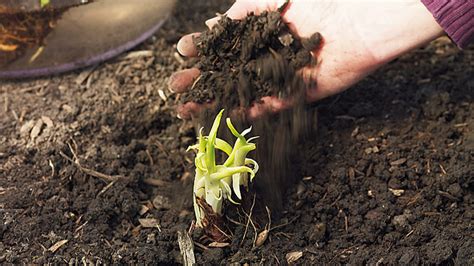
x,y
244,60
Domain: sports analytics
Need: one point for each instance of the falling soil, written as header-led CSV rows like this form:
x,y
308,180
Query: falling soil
x,y
242,61
94,168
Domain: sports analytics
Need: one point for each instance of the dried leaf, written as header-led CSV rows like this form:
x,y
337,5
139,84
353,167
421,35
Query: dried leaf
x,y
218,245
355,132
149,223
398,162
293,256
144,209
351,173
261,238
186,246
136,231
36,129
49,123
397,192
58,245
26,128
8,47
84,75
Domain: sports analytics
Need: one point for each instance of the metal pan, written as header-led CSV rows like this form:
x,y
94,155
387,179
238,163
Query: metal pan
x,y
85,34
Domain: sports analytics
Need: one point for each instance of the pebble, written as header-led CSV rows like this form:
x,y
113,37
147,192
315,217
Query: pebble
x,y
455,190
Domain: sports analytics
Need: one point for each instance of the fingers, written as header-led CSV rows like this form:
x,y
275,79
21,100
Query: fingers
x,y
191,109
183,80
186,45
268,105
242,8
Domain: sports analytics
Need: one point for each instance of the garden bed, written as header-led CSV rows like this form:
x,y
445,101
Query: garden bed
x,y
94,168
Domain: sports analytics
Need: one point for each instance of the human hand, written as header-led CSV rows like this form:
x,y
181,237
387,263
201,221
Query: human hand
x,y
357,39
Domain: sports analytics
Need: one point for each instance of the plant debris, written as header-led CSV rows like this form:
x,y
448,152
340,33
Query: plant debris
x,y
20,31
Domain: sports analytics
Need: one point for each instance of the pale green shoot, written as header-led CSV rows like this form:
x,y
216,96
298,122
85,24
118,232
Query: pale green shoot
x,y
44,3
213,182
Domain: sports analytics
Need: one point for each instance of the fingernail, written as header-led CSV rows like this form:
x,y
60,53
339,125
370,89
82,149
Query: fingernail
x,y
186,45
183,46
182,80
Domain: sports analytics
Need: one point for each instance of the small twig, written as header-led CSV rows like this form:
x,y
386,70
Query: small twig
x,y
284,224
410,233
442,169
73,152
191,227
283,234
43,247
199,245
36,87
222,231
234,221
156,182
346,223
160,146
7,103
269,225
337,199
254,231
52,168
106,188
93,173
149,157
276,258
195,82
186,247
76,231
248,221
235,43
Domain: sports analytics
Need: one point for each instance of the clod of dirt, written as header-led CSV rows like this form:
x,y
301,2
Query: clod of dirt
x,y
243,61
317,232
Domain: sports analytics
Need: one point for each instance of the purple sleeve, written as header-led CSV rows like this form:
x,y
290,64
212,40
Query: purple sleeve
x,y
456,17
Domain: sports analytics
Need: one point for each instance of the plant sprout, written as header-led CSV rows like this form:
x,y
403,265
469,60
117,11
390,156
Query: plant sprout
x,y
213,183
44,3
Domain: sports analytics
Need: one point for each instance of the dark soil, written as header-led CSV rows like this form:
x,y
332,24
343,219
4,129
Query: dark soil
x,y
243,61
98,158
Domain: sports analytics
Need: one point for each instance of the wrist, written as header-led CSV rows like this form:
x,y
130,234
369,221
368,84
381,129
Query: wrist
x,y
456,17
408,25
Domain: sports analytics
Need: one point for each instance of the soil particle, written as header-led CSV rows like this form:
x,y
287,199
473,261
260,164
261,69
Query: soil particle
x,y
214,256
317,232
